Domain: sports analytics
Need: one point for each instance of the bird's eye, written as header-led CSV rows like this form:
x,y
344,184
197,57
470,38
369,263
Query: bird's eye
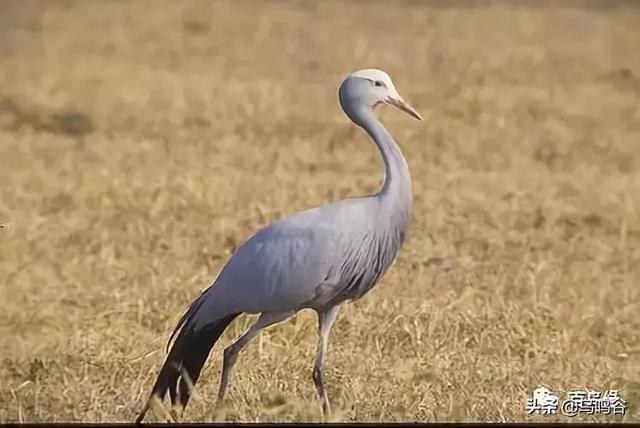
x,y
378,83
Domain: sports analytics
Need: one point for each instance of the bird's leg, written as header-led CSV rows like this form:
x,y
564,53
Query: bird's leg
x,y
231,353
325,321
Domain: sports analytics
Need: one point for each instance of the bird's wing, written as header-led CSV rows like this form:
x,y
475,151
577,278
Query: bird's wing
x,y
285,265
281,267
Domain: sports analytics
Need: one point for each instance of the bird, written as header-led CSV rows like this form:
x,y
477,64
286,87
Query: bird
x,y
314,259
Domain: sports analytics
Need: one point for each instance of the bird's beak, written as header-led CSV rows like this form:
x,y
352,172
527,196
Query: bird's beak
x,y
404,106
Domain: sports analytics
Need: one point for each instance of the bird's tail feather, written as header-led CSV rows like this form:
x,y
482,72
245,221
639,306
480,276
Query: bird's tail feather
x,y
186,358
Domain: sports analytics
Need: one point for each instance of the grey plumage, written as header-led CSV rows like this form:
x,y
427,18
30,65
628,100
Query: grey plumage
x,y
316,258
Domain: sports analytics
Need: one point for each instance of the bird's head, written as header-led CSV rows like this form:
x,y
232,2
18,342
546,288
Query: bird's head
x,y
369,88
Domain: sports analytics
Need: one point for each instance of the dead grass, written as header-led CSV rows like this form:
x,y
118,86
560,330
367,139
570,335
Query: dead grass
x,y
139,142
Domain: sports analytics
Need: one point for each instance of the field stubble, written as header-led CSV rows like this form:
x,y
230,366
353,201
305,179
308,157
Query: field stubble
x,y
140,144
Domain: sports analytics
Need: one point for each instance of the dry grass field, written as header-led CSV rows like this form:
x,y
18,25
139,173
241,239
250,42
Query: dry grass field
x,y
141,141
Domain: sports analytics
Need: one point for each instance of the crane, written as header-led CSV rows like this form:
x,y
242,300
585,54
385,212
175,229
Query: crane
x,y
313,259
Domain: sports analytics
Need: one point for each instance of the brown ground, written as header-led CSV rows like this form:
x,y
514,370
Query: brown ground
x,y
139,142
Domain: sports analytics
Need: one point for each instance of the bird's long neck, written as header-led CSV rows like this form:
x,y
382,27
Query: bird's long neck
x,y
395,192
397,178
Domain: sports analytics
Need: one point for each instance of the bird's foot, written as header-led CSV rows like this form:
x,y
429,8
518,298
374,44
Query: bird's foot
x,y
221,395
326,410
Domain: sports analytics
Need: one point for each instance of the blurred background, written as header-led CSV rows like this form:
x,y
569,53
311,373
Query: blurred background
x,y
140,142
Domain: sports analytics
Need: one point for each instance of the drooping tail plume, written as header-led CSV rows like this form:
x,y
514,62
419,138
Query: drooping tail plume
x,y
186,358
